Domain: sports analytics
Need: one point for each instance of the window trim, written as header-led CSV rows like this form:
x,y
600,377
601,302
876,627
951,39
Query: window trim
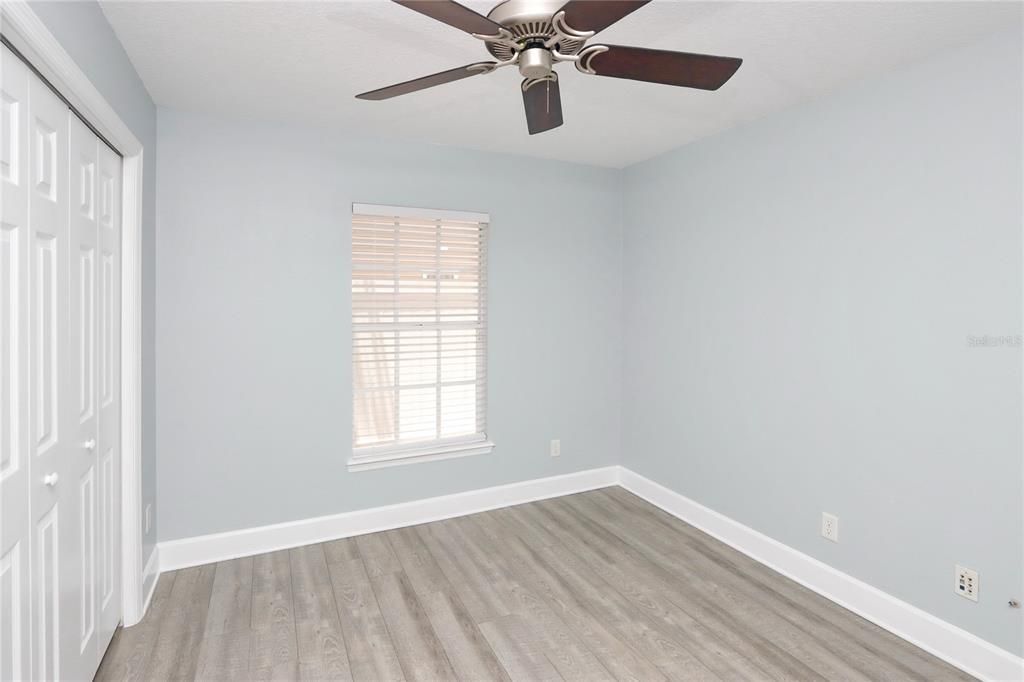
x,y
422,213
371,457
430,451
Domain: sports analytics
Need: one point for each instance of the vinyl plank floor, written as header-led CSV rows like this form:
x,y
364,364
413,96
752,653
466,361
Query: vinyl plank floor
x,y
618,657
175,653
224,650
370,649
272,626
594,586
419,649
471,657
318,629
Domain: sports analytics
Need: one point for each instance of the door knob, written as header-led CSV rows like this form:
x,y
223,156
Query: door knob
x,y
50,479
90,444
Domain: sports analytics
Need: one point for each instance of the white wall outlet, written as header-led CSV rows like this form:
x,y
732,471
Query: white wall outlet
x,y
966,583
830,526
149,518
556,448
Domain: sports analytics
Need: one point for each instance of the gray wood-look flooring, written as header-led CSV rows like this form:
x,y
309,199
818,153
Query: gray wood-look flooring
x,y
594,586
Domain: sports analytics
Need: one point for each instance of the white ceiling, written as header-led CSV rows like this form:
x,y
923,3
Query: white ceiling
x,y
304,61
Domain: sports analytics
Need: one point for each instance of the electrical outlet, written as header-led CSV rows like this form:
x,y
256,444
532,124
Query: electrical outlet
x,y
556,448
830,526
966,583
149,518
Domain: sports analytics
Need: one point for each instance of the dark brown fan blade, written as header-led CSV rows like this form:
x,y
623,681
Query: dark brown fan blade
x,y
597,15
661,66
543,104
427,81
453,14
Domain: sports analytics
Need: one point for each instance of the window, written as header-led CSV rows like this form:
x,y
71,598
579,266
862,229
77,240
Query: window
x,y
419,335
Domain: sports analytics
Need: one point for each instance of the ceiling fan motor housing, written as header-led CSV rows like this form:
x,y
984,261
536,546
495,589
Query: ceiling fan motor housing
x,y
528,21
535,62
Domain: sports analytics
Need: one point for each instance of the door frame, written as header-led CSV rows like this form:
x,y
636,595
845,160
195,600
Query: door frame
x,y
27,33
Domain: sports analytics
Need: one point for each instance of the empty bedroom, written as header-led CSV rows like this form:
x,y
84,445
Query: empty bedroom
x,y
517,340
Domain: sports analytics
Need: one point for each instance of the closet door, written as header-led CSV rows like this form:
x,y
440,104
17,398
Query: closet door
x,y
108,345
54,633
79,534
60,587
15,551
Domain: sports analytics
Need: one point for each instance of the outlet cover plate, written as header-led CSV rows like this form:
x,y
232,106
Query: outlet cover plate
x,y
556,448
830,526
966,584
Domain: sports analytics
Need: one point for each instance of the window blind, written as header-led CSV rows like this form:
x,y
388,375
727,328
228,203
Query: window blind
x,y
419,332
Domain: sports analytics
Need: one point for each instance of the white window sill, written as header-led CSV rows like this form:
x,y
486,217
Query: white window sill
x,y
429,453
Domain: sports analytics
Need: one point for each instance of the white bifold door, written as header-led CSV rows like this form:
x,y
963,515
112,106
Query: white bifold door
x,y
60,594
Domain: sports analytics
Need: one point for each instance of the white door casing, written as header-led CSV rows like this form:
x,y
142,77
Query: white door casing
x,y
14,471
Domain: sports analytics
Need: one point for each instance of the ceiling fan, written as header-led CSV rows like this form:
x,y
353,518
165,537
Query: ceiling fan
x,y
537,34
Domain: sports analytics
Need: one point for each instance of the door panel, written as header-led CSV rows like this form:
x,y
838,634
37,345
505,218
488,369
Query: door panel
x,y
13,616
82,455
53,485
85,322
15,555
110,610
87,552
46,617
47,280
11,236
109,389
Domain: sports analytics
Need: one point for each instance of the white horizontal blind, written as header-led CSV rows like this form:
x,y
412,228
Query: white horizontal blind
x,y
419,330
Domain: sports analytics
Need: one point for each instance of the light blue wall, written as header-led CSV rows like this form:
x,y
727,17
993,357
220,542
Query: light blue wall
x,y
798,298
82,29
253,323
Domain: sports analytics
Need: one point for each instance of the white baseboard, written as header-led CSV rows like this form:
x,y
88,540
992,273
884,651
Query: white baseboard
x,y
207,549
950,643
150,575
944,640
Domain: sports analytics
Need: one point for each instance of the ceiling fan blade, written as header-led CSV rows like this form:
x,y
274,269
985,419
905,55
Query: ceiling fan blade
x,y
597,15
452,13
428,81
543,104
702,71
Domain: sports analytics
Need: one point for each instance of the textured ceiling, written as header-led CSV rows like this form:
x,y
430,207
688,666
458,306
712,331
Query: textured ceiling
x,y
304,61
